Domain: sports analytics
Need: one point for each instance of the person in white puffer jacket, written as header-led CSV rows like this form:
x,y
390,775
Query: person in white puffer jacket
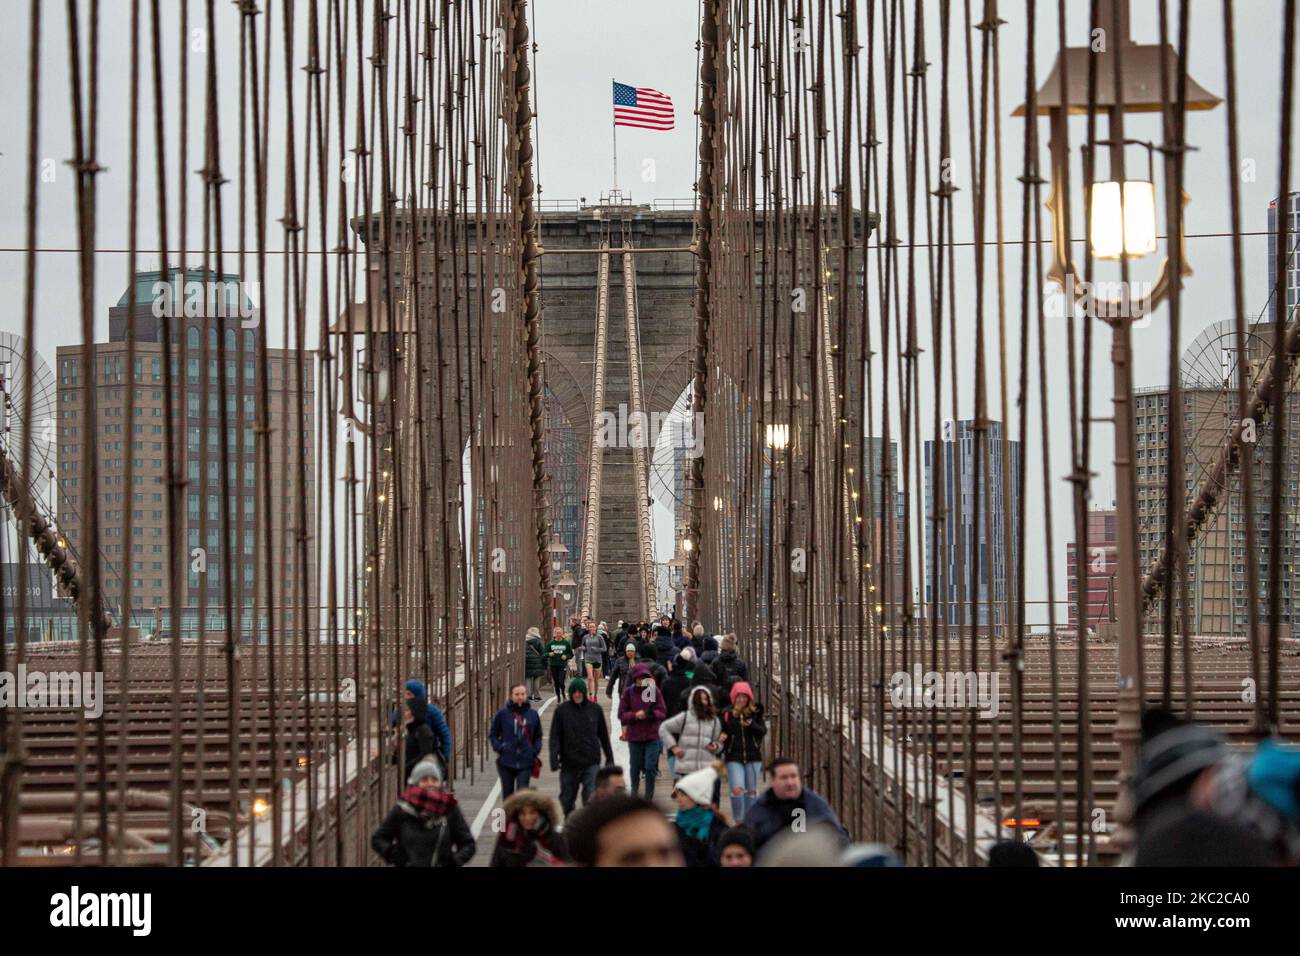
x,y
692,736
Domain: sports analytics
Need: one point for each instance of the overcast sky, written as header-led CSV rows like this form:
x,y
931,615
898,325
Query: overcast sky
x,y
583,45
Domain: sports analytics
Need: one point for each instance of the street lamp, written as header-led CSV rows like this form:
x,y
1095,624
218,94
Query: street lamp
x,y
557,551
778,436
1131,78
677,578
1122,216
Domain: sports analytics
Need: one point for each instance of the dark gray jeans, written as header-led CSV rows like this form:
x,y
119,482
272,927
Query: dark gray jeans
x,y
569,780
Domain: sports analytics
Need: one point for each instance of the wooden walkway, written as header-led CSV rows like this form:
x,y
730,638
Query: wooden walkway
x,y
479,800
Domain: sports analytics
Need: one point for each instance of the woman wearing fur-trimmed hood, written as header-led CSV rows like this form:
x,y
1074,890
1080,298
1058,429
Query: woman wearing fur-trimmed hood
x,y
530,837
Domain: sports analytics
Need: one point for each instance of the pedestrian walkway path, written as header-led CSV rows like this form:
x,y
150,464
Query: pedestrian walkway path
x,y
481,800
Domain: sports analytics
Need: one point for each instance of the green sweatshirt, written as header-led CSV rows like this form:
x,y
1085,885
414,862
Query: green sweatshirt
x,y
560,652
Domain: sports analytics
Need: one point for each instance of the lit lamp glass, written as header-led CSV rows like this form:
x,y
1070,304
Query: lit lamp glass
x,y
1137,212
778,436
687,544
717,503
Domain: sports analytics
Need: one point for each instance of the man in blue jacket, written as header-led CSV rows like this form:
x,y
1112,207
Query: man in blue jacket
x,y
787,805
516,736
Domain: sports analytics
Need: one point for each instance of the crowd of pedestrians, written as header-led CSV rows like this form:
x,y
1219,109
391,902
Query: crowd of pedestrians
x,y
687,696
675,693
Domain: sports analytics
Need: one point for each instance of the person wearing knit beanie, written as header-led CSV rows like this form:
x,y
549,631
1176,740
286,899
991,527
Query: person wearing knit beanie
x,y
427,767
736,847
426,827
699,824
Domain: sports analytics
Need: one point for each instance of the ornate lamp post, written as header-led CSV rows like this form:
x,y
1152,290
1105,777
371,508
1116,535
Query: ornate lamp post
x,y
1122,225
557,552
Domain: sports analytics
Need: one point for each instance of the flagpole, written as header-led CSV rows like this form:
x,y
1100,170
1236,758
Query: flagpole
x,y
613,127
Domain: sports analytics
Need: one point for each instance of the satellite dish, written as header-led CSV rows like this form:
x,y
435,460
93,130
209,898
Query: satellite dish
x,y
16,418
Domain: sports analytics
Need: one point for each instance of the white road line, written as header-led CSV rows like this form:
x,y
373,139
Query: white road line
x,y
489,804
622,756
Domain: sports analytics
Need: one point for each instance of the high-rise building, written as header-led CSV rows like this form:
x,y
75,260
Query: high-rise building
x,y
203,312
566,472
1293,264
886,499
1102,561
1216,584
955,551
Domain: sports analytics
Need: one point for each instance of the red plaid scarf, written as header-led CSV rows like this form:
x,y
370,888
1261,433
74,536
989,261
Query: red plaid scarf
x,y
518,839
427,803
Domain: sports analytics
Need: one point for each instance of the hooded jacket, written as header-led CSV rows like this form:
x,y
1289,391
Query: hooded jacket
x,y
633,699
579,732
729,668
541,846
437,722
409,836
645,648
693,735
534,656
685,677
516,735
770,816
744,743
665,649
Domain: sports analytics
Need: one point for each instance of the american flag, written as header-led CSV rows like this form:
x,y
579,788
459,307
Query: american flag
x,y
642,107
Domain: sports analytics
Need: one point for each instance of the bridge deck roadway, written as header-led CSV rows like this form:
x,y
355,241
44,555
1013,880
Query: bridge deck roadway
x,y
480,798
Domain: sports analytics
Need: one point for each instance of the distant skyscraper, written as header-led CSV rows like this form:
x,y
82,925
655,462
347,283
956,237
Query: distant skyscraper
x,y
1102,561
1293,263
886,499
996,557
567,474
198,435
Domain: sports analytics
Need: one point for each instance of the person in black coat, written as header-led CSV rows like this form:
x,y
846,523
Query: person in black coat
x,y
727,666
622,667
664,648
579,733
645,648
675,685
426,827
690,673
419,737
